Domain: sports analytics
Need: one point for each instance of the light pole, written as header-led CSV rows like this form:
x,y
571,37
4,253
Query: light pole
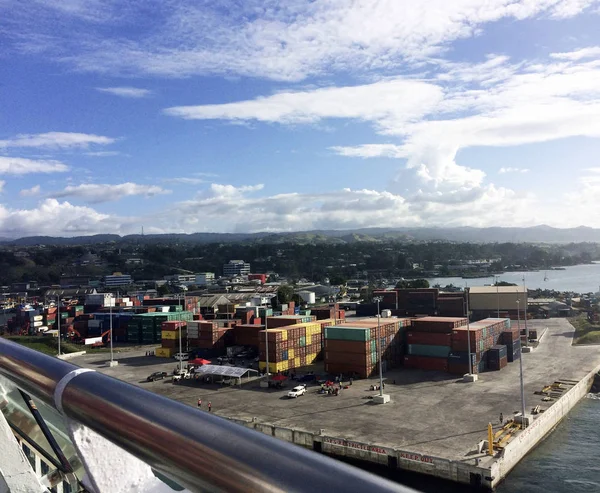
x,y
378,299
267,347
521,370
110,305
58,320
468,332
180,349
497,279
525,313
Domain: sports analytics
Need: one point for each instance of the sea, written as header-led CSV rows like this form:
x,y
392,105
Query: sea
x,y
576,278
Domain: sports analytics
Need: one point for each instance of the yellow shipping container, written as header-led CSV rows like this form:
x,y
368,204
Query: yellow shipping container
x,y
163,352
272,366
170,334
284,336
290,354
282,366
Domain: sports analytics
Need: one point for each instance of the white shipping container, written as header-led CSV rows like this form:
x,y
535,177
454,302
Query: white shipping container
x,y
92,340
37,323
38,318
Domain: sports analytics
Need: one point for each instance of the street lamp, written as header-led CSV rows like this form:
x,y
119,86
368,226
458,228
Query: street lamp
x,y
378,300
521,370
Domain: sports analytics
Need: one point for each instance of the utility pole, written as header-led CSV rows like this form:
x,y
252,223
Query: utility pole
x,y
180,349
521,370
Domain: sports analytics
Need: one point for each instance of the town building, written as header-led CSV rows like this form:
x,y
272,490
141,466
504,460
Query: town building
x,y
205,278
236,268
117,279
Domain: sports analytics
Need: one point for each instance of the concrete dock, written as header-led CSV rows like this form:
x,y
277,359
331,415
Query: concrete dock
x,y
435,424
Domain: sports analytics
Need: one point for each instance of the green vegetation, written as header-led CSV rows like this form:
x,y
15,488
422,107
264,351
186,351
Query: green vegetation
x,y
585,331
46,345
339,260
414,284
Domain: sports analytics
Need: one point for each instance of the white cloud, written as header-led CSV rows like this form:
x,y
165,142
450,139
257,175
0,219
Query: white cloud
x,y
513,170
96,193
282,41
589,52
30,192
126,92
185,180
55,218
103,153
56,140
23,166
389,103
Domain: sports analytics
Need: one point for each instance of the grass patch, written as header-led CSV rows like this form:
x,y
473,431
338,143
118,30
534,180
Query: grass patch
x,y
585,332
45,344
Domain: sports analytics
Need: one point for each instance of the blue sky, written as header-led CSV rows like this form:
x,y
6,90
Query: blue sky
x,y
185,116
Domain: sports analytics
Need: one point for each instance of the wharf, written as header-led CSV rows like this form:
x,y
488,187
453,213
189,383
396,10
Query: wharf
x,y
435,424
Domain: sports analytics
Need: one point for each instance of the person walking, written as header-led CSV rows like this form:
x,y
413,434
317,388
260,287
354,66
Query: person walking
x,y
209,406
199,403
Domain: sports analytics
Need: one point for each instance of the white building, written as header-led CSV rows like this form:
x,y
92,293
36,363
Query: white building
x,y
181,278
205,278
307,296
117,279
236,268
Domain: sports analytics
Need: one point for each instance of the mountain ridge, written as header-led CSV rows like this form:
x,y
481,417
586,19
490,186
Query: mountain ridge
x,y
466,234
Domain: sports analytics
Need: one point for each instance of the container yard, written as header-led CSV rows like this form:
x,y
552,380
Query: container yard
x,y
435,423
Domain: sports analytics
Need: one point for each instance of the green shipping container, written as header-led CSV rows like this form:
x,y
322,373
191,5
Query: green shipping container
x,y
429,350
302,342
373,346
342,333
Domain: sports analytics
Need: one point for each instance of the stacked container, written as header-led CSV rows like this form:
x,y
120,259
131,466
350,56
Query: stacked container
x,y
300,345
429,342
210,335
350,350
170,338
497,357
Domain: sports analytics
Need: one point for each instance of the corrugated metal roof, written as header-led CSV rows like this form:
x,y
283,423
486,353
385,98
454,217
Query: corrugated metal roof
x,y
70,292
224,371
494,289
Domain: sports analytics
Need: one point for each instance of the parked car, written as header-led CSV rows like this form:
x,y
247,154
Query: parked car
x,y
297,391
185,374
181,356
157,375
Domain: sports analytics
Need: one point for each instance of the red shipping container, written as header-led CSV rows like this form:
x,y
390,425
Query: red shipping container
x,y
430,338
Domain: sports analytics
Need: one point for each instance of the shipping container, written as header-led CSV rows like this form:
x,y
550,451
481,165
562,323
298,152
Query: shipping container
x,y
433,338
426,363
429,350
347,333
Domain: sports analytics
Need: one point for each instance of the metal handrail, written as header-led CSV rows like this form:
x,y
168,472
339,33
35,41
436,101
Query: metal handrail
x,y
199,450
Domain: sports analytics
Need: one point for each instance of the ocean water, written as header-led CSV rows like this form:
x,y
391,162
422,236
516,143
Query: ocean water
x,y
565,462
577,278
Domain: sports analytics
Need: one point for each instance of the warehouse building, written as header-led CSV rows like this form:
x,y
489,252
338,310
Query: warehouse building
x,y
497,301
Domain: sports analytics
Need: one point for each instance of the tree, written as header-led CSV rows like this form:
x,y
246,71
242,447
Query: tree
x,y
337,280
284,294
163,290
504,283
413,284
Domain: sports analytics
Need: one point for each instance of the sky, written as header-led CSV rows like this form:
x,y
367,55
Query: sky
x,y
191,116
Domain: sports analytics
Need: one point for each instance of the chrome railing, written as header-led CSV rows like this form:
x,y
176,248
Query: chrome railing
x,y
200,451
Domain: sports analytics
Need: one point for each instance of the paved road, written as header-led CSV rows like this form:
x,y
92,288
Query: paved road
x,y
431,413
